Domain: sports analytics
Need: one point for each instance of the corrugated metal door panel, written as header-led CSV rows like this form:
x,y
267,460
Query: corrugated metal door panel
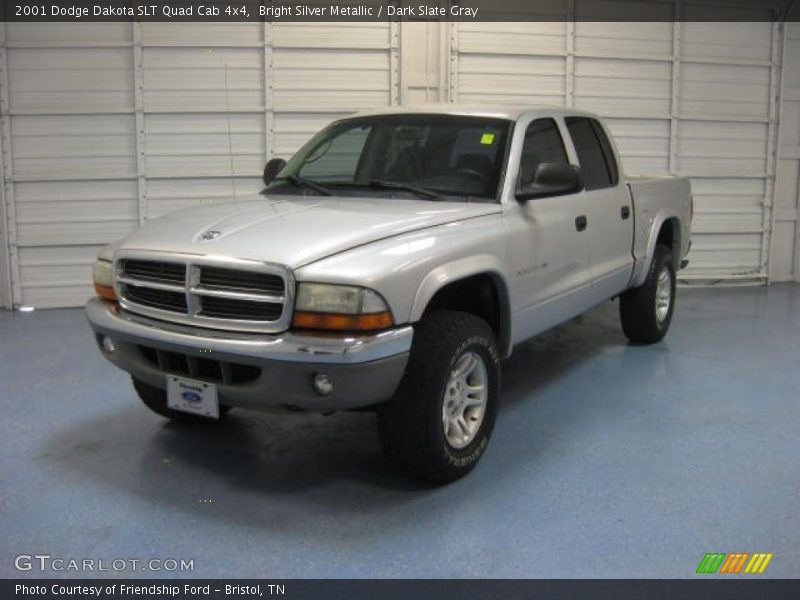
x,y
723,142
487,78
321,82
57,276
734,42
720,147
72,136
331,35
621,87
191,145
71,80
625,39
322,71
511,38
194,79
66,147
643,144
52,213
511,63
719,91
785,255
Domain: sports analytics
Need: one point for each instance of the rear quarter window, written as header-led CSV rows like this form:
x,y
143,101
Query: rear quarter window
x,y
598,167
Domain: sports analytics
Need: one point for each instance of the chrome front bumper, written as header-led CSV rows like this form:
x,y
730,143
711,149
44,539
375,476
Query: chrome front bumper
x,y
365,369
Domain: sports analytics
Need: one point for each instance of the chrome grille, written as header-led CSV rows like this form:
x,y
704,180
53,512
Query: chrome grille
x,y
161,299
155,271
216,277
228,308
231,294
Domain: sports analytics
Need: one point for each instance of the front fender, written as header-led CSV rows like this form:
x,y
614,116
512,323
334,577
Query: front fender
x,y
456,270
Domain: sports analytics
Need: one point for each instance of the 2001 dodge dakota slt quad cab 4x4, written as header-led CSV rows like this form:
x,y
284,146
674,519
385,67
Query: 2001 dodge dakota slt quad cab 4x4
x,y
390,265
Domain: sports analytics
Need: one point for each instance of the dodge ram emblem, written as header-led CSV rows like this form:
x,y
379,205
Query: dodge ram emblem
x,y
211,235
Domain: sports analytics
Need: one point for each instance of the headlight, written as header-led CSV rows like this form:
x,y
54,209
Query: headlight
x,y
103,275
340,307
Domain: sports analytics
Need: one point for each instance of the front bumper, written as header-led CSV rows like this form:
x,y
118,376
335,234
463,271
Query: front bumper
x,y
365,369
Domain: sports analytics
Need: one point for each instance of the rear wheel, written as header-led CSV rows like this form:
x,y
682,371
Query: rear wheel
x,y
646,311
156,400
438,424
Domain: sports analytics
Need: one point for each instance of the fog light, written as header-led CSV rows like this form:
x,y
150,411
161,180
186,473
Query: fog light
x,y
108,345
323,384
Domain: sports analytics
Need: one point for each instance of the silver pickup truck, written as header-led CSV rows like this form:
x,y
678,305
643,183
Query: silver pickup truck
x,y
391,265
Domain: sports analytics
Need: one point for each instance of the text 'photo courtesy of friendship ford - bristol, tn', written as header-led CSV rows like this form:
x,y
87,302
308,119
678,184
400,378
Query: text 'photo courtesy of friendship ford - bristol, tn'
x,y
390,266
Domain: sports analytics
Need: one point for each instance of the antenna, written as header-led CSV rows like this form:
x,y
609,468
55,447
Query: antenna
x,y
230,142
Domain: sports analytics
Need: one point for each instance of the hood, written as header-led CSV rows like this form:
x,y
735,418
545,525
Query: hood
x,y
294,230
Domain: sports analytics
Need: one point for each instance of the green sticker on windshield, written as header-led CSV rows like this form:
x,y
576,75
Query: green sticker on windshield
x,y
487,139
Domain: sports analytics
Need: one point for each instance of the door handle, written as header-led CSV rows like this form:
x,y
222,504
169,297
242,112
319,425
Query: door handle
x,y
625,212
581,222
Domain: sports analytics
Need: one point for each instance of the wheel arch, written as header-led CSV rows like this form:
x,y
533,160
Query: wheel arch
x,y
666,229
669,234
476,285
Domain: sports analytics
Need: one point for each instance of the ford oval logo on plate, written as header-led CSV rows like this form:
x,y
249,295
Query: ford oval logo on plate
x,y
191,397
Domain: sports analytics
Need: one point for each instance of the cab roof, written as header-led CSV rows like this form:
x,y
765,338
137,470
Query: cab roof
x,y
510,112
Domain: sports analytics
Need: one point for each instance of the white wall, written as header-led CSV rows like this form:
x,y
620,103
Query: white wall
x,y
107,125
688,98
785,256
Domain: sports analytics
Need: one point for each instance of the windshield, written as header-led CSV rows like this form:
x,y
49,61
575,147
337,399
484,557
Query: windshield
x,y
411,155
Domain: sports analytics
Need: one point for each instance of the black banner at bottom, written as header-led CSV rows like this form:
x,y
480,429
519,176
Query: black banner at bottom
x,y
405,589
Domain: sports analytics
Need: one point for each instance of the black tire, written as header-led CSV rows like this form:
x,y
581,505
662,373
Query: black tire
x,y
156,400
411,423
637,307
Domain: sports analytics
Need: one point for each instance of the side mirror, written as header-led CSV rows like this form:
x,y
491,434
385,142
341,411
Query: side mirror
x,y
552,179
272,168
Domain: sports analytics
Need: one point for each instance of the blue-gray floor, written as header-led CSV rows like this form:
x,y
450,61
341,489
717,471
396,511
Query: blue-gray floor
x,y
608,460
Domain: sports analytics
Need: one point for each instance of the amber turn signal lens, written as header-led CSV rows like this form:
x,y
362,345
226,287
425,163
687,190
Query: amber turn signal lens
x,y
339,322
105,292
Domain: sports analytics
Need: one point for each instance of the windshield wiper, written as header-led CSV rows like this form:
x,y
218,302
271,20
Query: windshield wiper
x,y
307,183
395,185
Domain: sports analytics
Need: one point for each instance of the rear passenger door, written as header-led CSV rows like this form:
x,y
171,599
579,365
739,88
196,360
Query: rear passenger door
x,y
549,252
609,211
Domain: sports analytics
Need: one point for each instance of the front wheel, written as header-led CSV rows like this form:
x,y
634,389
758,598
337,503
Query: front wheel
x,y
438,424
646,311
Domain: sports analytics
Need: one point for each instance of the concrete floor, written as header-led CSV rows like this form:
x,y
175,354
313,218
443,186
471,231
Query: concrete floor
x,y
608,460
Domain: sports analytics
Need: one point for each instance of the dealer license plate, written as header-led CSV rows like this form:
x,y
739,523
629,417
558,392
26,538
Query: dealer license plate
x,y
190,396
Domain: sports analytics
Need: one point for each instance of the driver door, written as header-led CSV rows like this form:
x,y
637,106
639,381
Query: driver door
x,y
549,250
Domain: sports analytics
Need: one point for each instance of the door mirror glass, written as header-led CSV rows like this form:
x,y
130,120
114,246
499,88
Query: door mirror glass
x,y
552,179
272,168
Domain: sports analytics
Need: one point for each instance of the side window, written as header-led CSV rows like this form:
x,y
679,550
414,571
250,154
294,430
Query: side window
x,y
592,159
608,153
543,144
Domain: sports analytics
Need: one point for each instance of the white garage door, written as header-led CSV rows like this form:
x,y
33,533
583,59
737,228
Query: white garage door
x,y
784,262
107,125
695,99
